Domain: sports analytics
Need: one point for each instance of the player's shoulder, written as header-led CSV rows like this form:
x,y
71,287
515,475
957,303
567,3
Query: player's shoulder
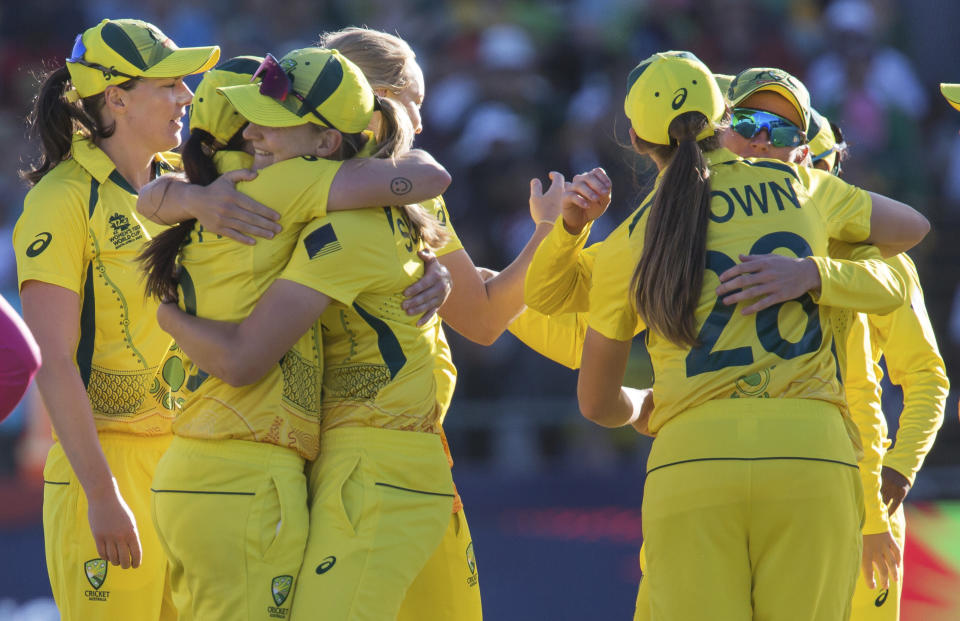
x,y
66,184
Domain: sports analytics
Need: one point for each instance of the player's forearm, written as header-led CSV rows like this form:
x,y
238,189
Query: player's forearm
x,y
868,286
924,400
214,346
557,337
164,199
558,278
67,403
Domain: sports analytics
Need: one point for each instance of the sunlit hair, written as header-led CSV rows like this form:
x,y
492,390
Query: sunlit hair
x,y
54,120
669,276
386,61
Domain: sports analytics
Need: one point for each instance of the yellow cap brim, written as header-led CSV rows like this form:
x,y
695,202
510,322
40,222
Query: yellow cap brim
x,y
952,93
261,109
780,90
185,61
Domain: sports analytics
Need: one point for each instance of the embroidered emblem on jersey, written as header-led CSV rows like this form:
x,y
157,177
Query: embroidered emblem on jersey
x,y
123,232
322,242
281,588
471,565
753,385
356,382
118,394
300,380
96,572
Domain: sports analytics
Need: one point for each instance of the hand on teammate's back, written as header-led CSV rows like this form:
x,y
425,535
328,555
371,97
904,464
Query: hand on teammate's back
x,y
429,293
767,278
585,199
114,528
222,210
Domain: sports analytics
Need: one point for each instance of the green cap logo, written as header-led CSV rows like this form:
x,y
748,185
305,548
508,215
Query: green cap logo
x,y
96,571
281,588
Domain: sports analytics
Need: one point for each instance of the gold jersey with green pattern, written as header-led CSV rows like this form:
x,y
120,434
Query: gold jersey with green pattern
x,y
80,230
445,371
379,367
223,279
758,206
906,339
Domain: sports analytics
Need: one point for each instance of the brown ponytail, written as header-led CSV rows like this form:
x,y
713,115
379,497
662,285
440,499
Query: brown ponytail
x,y
159,257
669,276
54,120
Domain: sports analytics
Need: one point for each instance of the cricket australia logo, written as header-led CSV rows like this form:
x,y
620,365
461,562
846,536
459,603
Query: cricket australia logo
x,y
471,565
96,571
280,589
123,233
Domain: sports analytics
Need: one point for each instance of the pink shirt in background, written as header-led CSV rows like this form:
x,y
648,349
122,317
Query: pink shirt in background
x,y
19,358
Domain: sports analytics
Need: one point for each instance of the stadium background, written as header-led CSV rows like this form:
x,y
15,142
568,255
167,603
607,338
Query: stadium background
x,y
516,88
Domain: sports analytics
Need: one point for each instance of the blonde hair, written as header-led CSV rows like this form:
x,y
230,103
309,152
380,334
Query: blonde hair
x,y
385,61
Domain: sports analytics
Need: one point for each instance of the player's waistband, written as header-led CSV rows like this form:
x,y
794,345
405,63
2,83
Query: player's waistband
x,y
350,438
754,429
229,449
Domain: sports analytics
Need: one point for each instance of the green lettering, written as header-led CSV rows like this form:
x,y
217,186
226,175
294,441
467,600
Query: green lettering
x,y
729,214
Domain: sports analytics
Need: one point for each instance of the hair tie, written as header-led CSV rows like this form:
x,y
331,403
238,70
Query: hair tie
x,y
377,105
72,95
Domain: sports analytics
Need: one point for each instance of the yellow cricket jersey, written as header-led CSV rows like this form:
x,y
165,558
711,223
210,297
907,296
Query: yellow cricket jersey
x,y
560,273
558,337
906,340
445,372
758,206
223,279
855,276
378,366
79,230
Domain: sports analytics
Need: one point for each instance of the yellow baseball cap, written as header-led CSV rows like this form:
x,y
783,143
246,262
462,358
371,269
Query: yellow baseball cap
x,y
821,141
211,111
723,81
116,50
952,93
666,85
750,81
309,85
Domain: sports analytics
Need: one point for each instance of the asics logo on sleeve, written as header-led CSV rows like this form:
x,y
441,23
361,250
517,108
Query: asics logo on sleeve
x,y
326,565
882,598
39,245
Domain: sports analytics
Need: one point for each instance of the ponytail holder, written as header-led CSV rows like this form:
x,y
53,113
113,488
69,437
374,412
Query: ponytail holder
x,y
377,106
72,95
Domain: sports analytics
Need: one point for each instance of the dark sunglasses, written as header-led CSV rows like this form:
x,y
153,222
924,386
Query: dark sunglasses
x,y
76,56
277,84
780,132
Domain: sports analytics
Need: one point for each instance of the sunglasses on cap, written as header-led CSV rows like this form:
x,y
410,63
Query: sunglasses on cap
x,y
76,56
277,84
780,131
837,148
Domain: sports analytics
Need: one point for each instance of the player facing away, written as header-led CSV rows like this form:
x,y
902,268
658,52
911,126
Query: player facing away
x,y
239,450
107,120
674,106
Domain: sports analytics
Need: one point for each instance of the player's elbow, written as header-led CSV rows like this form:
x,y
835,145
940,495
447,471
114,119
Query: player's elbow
x,y
240,371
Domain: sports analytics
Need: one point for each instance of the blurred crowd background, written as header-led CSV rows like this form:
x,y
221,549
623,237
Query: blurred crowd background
x,y
516,88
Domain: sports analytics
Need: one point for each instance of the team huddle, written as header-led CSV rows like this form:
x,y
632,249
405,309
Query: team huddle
x,y
245,364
